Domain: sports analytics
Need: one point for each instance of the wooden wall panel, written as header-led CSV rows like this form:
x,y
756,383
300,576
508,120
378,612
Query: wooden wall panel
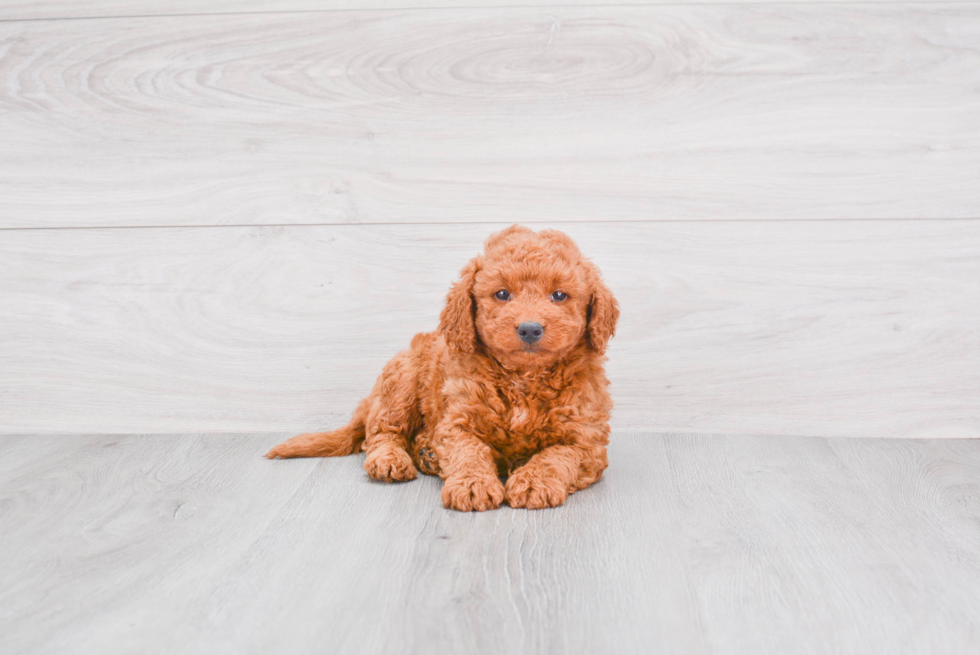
x,y
831,328
49,9
512,114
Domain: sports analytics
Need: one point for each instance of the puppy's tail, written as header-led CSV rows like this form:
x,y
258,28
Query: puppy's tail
x,y
344,441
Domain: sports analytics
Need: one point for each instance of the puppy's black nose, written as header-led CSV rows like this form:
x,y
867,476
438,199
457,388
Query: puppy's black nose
x,y
529,331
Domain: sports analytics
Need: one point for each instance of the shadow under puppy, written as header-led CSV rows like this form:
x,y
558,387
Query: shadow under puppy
x,y
510,386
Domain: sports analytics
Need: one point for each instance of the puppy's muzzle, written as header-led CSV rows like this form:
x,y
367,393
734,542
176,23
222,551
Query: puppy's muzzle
x,y
530,332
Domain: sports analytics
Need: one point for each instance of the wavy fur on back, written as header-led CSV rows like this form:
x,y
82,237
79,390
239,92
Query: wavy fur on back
x,y
476,403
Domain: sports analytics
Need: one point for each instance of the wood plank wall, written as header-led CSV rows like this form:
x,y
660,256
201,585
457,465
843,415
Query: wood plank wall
x,y
39,9
230,222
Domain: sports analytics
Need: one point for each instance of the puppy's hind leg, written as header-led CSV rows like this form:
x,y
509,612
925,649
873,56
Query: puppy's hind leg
x,y
394,418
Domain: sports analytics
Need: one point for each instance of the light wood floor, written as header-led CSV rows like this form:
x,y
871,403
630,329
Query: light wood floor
x,y
689,544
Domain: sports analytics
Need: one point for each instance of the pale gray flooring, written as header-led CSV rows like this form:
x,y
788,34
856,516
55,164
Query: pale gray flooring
x,y
690,544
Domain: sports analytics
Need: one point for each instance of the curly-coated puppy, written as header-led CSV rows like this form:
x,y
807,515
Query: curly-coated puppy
x,y
510,387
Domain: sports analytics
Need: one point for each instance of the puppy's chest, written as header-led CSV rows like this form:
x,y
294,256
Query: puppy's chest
x,y
526,425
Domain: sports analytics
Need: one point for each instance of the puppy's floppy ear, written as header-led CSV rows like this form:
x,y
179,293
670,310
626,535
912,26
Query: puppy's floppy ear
x,y
456,323
603,312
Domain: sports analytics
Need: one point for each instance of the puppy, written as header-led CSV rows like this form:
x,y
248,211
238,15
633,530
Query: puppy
x,y
511,386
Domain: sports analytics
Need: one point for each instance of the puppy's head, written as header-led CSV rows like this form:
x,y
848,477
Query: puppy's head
x,y
529,299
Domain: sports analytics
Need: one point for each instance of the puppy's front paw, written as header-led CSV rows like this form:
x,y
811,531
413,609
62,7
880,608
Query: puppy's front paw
x,y
468,493
534,489
390,464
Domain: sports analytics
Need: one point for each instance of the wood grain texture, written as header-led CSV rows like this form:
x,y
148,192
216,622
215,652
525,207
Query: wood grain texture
x,y
523,114
834,328
55,9
694,544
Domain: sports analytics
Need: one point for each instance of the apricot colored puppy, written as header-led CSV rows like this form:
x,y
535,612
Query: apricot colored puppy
x,y
510,386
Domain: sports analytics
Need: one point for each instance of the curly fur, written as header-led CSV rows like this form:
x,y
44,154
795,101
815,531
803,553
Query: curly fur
x,y
476,405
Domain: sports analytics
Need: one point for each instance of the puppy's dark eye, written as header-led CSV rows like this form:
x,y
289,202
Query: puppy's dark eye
x,y
559,296
503,294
